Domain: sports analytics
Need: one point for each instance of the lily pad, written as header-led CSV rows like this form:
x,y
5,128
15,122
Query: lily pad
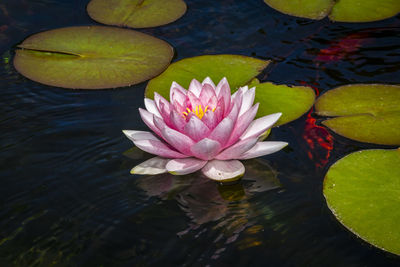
x,y
343,10
291,101
363,192
312,9
367,112
239,70
136,13
364,10
92,57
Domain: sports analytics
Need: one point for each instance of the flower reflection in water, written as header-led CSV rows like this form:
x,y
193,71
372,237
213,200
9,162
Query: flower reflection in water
x,y
228,206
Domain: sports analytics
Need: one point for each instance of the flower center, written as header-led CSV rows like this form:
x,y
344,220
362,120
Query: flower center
x,y
198,111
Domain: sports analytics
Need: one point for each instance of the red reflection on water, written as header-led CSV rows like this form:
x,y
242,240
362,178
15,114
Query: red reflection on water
x,y
319,140
340,49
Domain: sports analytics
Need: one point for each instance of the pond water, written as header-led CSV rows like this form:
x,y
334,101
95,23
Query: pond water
x,y
67,198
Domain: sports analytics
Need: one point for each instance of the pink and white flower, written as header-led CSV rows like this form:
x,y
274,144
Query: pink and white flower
x,y
204,127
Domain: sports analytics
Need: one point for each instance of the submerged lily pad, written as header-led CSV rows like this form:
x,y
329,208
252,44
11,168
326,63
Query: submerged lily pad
x,y
136,13
92,57
291,101
363,192
343,10
364,10
239,70
312,9
367,112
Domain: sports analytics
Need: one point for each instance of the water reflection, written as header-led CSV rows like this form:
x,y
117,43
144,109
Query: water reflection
x,y
204,200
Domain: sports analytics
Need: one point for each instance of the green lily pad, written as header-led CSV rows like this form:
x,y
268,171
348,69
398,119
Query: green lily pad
x,y
363,192
92,57
239,70
364,10
136,13
343,10
367,112
312,9
291,101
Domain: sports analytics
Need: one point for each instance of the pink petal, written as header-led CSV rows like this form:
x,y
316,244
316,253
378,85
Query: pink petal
x,y
209,119
177,93
147,118
205,149
263,148
192,101
242,124
165,111
195,87
139,135
158,99
158,148
224,92
208,81
235,151
177,120
222,132
219,110
260,125
184,166
196,129
248,99
151,166
223,171
151,107
177,140
207,96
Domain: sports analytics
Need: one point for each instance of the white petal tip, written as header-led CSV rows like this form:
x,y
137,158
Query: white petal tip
x,y
152,166
224,170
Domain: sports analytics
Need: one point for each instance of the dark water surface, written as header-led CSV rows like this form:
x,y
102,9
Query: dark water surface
x,y
66,195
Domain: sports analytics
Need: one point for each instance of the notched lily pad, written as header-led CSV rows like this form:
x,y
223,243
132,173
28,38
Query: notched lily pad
x,y
239,70
364,10
92,57
343,10
291,101
366,112
363,192
312,9
136,13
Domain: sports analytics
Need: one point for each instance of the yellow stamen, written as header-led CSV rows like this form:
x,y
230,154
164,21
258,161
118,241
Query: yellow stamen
x,y
198,111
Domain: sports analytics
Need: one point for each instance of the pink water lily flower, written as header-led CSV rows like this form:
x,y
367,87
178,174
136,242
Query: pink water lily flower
x,y
204,127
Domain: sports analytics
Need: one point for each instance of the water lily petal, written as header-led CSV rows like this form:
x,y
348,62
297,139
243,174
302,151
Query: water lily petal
x,y
196,129
134,135
208,96
235,151
195,87
224,92
158,148
177,120
177,140
177,94
223,170
260,125
184,166
242,124
158,99
192,101
222,132
151,166
151,107
209,119
248,99
263,148
147,118
208,80
205,149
